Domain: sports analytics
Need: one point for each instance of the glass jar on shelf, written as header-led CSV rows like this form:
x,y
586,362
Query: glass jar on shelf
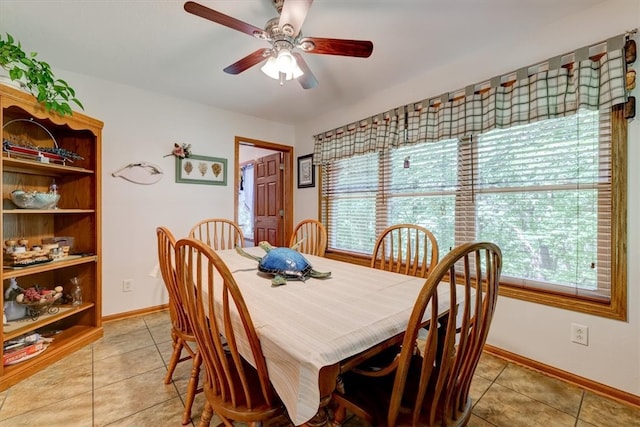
x,y
76,292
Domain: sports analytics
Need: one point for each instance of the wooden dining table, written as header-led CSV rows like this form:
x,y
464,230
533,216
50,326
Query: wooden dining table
x,y
309,329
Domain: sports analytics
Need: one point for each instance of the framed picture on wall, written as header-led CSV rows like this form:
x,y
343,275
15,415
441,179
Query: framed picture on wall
x,y
201,170
306,172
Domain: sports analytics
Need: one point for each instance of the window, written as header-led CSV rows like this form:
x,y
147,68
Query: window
x,y
541,191
352,186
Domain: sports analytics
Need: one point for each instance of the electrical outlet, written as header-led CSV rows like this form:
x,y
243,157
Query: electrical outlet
x,y
579,334
127,285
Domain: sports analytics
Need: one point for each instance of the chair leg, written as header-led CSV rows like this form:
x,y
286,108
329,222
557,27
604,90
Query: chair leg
x,y
192,388
339,415
207,414
178,343
339,410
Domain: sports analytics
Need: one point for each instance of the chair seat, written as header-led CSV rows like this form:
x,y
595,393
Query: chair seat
x,y
364,394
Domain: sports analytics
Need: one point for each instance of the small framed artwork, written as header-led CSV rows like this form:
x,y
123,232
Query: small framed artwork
x,y
306,172
201,170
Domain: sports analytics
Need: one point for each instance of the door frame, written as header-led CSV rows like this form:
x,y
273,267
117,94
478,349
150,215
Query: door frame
x,y
287,179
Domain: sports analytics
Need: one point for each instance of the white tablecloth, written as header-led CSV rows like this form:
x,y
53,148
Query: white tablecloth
x,y
304,326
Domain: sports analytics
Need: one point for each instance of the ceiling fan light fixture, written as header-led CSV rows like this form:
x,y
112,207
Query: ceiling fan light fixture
x,y
270,68
285,61
283,65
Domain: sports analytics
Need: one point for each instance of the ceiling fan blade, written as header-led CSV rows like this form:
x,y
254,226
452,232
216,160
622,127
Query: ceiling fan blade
x,y
343,47
293,14
248,61
307,80
222,19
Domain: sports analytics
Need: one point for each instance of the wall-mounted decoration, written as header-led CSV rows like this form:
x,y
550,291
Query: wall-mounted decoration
x,y
180,150
306,172
140,173
201,170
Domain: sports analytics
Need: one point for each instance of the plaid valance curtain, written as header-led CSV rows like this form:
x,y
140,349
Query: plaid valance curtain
x,y
592,83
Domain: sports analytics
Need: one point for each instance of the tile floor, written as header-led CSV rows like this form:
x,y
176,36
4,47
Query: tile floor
x,y
118,381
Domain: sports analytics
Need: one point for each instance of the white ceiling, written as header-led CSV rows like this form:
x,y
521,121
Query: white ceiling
x,y
157,46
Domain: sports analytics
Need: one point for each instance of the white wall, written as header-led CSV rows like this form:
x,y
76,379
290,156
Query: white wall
x,y
531,330
143,126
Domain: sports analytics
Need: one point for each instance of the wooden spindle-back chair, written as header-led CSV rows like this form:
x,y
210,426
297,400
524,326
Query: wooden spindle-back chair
x,y
431,388
309,237
406,248
181,332
218,233
235,390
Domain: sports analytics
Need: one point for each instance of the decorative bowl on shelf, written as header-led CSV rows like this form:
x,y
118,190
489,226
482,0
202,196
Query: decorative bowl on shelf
x,y
37,309
43,305
34,199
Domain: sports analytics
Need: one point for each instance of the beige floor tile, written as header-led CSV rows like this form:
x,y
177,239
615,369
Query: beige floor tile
x,y
489,366
603,412
75,411
122,343
479,386
545,389
504,407
122,366
130,396
83,355
476,421
119,327
167,413
161,332
157,318
166,350
60,381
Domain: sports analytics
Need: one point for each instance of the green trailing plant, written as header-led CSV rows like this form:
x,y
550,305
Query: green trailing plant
x,y
36,77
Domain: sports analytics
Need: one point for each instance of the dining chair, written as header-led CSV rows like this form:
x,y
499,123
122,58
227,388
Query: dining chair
x,y
309,237
219,233
181,331
431,387
235,389
406,248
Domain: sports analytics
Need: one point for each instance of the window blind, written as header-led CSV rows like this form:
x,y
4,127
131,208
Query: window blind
x,y
349,192
541,191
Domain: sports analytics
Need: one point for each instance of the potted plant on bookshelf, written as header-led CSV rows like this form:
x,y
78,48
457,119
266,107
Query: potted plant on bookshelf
x,y
36,77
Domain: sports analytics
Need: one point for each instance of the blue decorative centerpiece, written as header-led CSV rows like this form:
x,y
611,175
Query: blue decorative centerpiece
x,y
283,264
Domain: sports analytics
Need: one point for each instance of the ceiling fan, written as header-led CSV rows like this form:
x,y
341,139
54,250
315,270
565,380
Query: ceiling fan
x,y
283,32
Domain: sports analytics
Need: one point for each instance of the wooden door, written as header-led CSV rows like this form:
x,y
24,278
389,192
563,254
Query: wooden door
x,y
268,200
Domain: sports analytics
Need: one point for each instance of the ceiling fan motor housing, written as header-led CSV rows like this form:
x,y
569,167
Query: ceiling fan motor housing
x,y
280,38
